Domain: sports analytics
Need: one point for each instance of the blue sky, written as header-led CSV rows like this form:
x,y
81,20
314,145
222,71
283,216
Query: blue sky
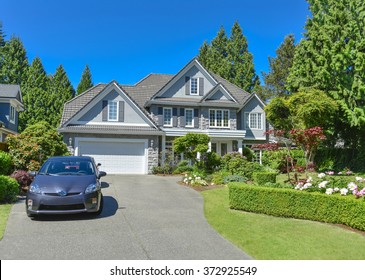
x,y
126,40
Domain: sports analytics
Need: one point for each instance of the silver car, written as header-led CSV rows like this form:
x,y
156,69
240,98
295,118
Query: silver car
x,y
65,185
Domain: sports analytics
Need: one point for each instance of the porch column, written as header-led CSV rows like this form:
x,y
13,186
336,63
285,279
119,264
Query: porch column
x,y
163,147
209,146
239,144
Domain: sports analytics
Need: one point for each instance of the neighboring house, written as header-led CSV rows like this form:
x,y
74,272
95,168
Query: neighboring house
x,y
126,128
11,104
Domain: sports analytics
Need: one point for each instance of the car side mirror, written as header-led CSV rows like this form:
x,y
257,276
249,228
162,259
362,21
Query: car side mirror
x,y
101,174
32,173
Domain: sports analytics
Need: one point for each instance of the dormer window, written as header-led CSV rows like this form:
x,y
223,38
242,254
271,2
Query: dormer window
x,y
194,86
12,114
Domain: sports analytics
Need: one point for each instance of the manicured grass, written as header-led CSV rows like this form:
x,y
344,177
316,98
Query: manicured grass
x,y
271,238
4,214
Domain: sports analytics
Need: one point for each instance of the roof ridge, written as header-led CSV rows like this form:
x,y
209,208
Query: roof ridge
x,y
83,93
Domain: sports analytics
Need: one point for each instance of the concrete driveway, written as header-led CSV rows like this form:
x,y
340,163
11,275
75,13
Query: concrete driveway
x,y
144,217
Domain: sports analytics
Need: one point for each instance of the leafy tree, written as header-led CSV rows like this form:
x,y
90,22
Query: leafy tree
x,y
86,81
36,97
15,62
275,79
304,109
331,57
34,145
60,91
191,144
230,58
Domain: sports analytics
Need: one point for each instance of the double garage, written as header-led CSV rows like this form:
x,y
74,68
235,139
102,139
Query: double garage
x,y
116,156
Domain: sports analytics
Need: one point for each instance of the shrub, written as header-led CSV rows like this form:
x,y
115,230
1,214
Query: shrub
x,y
234,178
290,203
236,164
183,167
212,161
218,177
194,180
261,178
165,169
22,177
6,163
9,189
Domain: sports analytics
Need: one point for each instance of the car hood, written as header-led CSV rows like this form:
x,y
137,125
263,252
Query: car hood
x,y
67,183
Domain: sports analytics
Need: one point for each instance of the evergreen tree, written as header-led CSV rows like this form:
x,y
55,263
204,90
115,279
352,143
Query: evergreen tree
x,y
275,80
60,91
2,35
35,96
230,58
15,62
86,81
331,58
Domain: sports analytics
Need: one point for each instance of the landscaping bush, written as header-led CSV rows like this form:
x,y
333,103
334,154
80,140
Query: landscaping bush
x,y
23,179
218,177
165,169
236,164
234,178
290,203
261,178
183,167
9,189
211,161
6,164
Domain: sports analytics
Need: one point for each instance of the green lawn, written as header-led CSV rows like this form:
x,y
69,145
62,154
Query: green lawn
x,y
267,237
4,214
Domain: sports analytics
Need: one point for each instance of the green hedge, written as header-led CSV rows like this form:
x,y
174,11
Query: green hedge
x,y
261,178
291,203
9,189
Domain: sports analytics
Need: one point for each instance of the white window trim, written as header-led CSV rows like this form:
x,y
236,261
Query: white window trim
x,y
215,118
192,117
12,114
163,116
197,85
117,117
248,120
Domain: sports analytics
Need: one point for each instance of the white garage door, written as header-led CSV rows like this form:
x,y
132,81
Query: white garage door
x,y
116,157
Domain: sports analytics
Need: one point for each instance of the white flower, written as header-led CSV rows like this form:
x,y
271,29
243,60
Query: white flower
x,y
344,191
322,185
190,178
307,185
299,186
329,191
309,179
321,175
336,189
352,186
359,179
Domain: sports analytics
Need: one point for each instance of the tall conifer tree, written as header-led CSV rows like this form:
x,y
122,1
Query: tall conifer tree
x,y
15,62
331,58
35,96
275,79
230,58
86,81
60,91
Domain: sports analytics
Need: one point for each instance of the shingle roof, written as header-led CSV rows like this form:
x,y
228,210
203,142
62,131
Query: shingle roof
x,y
10,91
74,105
109,128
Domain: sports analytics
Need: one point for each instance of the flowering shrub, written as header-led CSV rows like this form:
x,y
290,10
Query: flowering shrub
x,y
22,177
329,183
194,180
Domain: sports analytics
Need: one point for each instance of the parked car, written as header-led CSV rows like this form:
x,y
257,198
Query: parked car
x,y
65,185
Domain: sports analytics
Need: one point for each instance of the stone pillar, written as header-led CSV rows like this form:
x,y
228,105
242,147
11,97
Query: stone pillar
x,y
163,148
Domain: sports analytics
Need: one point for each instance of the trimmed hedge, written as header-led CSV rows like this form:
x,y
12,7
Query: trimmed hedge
x,y
6,163
261,178
291,203
9,189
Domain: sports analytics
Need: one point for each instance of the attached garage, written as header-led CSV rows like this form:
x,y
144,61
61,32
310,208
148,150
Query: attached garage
x,y
117,156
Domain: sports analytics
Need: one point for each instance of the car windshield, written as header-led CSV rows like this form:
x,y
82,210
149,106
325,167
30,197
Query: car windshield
x,y
67,167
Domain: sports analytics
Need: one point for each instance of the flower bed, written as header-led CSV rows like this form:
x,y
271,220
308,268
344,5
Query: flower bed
x,y
291,203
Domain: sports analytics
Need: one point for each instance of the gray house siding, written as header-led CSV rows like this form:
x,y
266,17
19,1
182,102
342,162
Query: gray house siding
x,y
129,114
253,106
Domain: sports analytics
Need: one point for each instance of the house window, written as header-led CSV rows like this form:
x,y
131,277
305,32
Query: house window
x,y
189,119
193,86
254,120
219,118
167,116
112,110
12,114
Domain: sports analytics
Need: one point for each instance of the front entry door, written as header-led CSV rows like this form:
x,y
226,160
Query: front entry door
x,y
223,149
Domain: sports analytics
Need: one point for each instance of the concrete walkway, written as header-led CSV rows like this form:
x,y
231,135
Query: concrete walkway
x,y
144,217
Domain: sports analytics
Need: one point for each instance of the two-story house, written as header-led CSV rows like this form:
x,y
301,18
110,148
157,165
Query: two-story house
x,y
125,128
11,104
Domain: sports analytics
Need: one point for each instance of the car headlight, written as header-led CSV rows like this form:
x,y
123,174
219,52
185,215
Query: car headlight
x,y
91,188
34,188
